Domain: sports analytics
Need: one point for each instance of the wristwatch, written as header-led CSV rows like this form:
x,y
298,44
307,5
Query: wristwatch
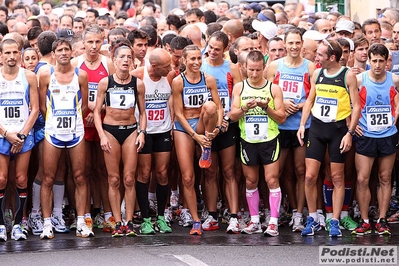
x,y
21,136
143,131
226,118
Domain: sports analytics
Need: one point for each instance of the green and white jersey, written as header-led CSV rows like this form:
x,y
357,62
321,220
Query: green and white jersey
x,y
255,126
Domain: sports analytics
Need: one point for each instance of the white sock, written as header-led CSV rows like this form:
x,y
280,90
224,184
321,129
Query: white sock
x,y
81,220
175,192
57,211
298,214
36,197
58,195
367,221
47,221
255,219
319,211
107,215
344,214
87,215
314,216
329,215
273,220
151,196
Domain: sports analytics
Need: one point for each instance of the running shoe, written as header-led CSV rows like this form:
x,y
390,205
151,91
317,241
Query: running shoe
x,y
17,233
362,228
3,233
98,221
48,232
327,227
146,227
161,226
24,225
348,223
252,228
210,224
311,226
59,224
394,204
265,223
119,230
297,224
174,200
373,213
204,215
35,223
233,227
8,223
185,218
168,214
129,229
272,230
335,231
243,221
206,158
72,219
89,223
84,231
382,227
152,204
109,225
226,216
197,228
322,220
394,218
137,218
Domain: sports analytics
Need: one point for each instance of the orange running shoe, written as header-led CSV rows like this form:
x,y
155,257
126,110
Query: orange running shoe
x,y
206,158
197,228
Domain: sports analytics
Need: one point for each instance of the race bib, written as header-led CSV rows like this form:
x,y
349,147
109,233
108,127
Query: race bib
x,y
92,92
122,99
10,113
64,121
291,85
256,127
325,109
195,97
378,117
155,113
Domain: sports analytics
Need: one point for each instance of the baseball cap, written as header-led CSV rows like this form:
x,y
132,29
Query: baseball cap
x,y
267,28
80,14
345,25
255,6
103,11
65,34
314,35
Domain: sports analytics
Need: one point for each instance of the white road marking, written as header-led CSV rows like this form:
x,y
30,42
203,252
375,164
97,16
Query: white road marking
x,y
190,260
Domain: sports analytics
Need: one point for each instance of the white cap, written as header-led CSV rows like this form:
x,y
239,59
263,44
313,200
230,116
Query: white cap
x,y
345,25
267,28
80,14
103,11
314,35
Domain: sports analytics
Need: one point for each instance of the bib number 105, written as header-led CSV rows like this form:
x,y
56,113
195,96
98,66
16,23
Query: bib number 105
x,y
12,112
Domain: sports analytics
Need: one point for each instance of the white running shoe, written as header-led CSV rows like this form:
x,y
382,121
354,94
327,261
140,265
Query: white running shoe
x,y
322,220
17,233
233,227
3,233
252,228
174,200
47,232
243,221
186,219
298,224
272,230
168,216
84,231
210,224
59,224
35,223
